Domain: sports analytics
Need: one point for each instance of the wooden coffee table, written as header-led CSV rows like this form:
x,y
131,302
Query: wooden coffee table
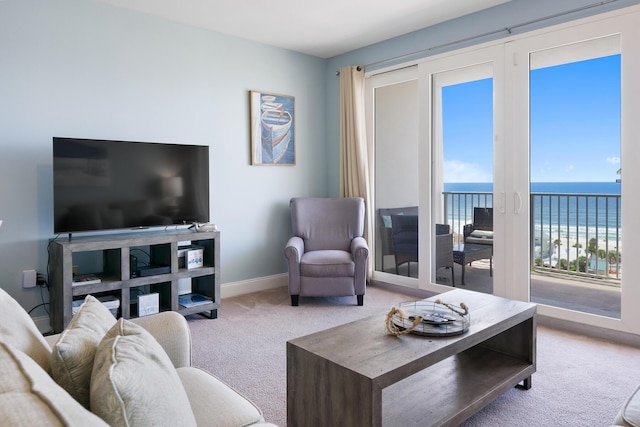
x,y
464,254
359,375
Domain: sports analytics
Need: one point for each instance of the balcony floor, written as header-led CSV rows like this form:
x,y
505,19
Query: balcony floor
x,y
594,296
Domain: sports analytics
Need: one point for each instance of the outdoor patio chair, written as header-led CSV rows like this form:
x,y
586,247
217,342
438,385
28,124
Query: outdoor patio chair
x,y
481,230
384,228
404,236
444,249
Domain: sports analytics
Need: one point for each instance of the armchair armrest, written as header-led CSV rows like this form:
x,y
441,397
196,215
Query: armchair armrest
x,y
294,249
293,252
360,253
172,331
359,248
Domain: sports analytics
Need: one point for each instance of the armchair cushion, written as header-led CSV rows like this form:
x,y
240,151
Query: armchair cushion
x,y
327,264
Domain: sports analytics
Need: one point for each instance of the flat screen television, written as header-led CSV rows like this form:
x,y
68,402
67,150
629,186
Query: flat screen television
x,y
105,185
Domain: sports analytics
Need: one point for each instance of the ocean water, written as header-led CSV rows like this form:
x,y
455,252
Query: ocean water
x,y
561,210
543,187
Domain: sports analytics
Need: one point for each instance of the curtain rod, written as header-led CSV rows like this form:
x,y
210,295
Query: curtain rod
x,y
490,33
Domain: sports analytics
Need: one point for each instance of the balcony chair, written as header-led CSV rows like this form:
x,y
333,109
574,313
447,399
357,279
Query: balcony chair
x,y
444,249
327,254
404,237
384,228
481,230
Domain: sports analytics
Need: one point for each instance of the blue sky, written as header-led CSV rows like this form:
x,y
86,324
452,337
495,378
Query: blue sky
x,y
575,125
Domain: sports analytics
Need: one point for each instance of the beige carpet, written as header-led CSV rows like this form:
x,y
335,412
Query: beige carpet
x,y
580,381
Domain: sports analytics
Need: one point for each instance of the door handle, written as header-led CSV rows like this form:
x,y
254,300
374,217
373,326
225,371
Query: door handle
x,y
502,203
517,202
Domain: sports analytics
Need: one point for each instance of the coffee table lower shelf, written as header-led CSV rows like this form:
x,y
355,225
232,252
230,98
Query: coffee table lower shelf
x,y
452,390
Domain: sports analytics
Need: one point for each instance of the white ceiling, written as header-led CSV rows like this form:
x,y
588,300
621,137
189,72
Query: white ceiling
x,y
323,28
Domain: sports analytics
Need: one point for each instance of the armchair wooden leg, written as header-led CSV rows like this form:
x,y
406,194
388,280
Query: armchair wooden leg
x,y
360,300
295,300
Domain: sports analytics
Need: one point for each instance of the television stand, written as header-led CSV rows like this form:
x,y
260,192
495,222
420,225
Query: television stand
x,y
108,258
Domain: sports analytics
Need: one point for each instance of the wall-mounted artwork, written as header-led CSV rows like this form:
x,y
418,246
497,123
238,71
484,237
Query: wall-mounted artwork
x,y
272,129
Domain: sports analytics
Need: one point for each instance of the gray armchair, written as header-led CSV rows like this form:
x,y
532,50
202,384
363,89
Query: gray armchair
x,y
327,254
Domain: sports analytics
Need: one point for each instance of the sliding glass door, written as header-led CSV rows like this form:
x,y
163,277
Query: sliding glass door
x,y
572,94
575,176
530,144
462,164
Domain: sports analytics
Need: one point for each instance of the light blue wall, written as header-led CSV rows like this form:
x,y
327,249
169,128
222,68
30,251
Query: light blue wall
x,y
80,68
445,37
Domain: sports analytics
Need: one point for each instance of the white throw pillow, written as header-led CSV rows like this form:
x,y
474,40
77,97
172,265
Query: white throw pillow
x,y
29,397
73,354
134,382
18,330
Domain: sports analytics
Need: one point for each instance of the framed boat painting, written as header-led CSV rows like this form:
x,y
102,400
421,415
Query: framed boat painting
x,y
272,129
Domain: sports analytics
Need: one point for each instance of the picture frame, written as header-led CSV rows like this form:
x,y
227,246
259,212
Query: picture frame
x,y
272,119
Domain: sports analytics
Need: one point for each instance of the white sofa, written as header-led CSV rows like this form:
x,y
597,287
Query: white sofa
x,y
629,414
100,372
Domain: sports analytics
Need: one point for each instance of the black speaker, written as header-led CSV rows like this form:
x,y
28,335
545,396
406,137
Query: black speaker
x,y
133,266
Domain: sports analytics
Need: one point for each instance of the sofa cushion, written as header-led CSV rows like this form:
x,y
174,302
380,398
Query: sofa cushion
x,y
134,382
229,408
30,397
18,330
72,356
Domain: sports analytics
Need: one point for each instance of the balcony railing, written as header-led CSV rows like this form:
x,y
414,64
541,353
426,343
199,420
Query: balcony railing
x,y
574,234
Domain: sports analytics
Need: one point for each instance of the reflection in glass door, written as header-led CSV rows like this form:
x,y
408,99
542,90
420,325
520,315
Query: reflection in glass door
x,y
576,227
462,177
395,119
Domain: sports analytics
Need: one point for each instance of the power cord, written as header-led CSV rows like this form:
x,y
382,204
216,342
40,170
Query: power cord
x,y
43,283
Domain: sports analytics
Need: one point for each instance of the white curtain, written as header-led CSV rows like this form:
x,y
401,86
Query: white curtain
x,y
354,166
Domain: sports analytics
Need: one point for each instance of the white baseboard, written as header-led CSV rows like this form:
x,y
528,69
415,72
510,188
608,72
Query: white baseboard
x,y
233,289
43,324
227,290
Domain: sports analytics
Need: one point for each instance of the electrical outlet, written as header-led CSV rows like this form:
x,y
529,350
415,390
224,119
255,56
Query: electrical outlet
x,y
29,278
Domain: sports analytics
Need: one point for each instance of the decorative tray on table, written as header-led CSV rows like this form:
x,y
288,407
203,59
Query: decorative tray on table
x,y
428,318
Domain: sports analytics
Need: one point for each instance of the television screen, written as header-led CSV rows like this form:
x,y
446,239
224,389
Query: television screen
x,y
106,185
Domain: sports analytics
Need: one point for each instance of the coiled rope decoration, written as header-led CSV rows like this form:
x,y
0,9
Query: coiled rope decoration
x,y
393,329
463,306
